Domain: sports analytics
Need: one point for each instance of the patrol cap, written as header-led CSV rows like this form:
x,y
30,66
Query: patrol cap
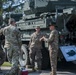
x,y
11,20
37,27
52,24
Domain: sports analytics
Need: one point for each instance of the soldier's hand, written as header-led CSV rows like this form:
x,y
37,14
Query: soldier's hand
x,y
41,39
44,38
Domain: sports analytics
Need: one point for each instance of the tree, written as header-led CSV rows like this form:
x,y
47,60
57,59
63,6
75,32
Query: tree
x,y
8,9
1,8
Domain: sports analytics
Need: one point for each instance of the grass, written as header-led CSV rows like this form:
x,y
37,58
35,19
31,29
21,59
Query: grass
x,y
6,64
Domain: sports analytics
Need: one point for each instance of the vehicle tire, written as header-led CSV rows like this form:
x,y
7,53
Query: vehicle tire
x,y
23,58
45,59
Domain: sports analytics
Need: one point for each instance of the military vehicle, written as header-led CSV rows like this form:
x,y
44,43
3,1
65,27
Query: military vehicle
x,y
41,13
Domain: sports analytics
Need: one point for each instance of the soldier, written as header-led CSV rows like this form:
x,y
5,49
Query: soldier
x,y
12,45
35,49
53,47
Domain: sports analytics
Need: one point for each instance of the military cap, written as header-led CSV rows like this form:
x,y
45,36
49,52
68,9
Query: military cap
x,y
37,27
11,20
52,24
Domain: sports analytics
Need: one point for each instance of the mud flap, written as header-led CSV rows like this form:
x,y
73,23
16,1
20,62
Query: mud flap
x,y
69,52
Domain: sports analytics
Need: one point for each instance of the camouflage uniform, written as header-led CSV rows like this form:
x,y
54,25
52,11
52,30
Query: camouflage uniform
x,y
35,49
53,50
13,46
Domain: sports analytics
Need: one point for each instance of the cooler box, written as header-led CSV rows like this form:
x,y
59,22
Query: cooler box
x,y
24,72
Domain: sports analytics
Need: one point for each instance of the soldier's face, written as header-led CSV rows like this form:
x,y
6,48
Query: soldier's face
x,y
51,27
37,29
14,23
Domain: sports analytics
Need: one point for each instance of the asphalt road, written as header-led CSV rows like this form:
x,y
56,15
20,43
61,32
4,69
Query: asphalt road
x,y
44,72
63,69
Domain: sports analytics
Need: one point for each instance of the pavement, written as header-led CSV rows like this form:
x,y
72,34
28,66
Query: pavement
x,y
44,72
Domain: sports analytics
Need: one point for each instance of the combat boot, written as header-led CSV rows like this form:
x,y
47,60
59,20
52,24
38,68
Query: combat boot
x,y
0,70
53,73
38,70
33,69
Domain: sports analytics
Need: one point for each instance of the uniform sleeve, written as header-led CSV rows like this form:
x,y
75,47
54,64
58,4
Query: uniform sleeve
x,y
51,37
30,40
1,31
18,35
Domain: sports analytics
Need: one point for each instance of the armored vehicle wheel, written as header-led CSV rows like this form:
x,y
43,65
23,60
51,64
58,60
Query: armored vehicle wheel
x,y
24,56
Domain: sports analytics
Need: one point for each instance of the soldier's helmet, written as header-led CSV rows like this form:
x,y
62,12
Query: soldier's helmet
x,y
11,20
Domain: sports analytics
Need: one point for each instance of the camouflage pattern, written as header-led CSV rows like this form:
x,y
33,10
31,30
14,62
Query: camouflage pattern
x,y
13,47
35,49
53,50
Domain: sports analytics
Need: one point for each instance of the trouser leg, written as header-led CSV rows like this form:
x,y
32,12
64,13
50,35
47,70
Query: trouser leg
x,y
32,58
53,61
9,54
38,58
15,61
53,70
39,64
32,61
